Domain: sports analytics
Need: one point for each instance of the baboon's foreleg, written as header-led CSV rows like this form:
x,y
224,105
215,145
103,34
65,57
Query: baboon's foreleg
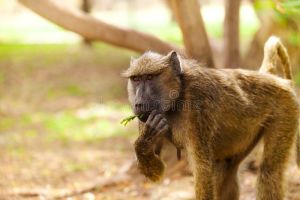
x,y
202,170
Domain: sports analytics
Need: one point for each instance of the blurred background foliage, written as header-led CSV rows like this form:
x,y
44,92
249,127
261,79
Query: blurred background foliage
x,y
286,13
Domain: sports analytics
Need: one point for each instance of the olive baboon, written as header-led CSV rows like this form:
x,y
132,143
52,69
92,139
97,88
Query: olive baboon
x,y
217,116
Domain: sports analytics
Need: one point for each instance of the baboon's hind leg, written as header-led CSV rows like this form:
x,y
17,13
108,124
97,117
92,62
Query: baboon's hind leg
x,y
278,140
226,182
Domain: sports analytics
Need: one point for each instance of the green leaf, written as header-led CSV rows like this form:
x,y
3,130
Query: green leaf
x,y
129,119
264,5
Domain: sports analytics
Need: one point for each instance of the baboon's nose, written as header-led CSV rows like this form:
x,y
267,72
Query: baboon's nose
x,y
141,108
138,105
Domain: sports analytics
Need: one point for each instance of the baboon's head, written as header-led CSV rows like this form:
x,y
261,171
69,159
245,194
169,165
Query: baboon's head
x,y
153,83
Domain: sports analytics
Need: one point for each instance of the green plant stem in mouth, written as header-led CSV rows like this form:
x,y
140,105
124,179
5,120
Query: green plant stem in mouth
x,y
129,119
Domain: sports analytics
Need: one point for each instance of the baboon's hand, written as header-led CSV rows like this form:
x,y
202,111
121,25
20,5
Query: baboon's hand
x,y
155,126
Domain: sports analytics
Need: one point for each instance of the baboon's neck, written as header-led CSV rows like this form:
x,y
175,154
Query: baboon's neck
x,y
177,104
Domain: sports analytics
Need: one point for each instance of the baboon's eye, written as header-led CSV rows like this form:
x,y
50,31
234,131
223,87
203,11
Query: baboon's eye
x,y
149,77
135,78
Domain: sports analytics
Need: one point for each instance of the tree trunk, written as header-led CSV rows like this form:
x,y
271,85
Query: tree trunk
x,y
170,5
86,7
254,54
94,29
188,16
231,34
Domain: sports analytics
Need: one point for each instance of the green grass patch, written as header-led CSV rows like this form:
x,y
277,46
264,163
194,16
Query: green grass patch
x,y
43,55
21,52
16,151
75,90
92,123
297,79
88,124
73,167
31,133
6,123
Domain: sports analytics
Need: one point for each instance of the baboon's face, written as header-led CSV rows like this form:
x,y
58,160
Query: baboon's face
x,y
145,94
155,87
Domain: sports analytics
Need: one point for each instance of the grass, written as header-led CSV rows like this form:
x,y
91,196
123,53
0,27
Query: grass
x,y
43,78
6,123
297,79
86,124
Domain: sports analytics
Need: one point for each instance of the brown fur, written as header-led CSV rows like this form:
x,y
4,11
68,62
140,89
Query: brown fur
x,y
220,115
274,50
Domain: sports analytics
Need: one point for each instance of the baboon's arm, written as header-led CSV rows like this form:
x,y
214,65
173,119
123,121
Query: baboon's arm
x,y
148,162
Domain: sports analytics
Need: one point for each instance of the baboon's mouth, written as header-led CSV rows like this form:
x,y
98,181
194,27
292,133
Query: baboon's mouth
x,y
143,117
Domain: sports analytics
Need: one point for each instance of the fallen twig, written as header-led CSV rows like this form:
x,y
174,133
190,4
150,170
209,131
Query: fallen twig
x,y
95,186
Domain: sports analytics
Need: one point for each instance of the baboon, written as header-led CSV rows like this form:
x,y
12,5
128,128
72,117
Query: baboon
x,y
217,116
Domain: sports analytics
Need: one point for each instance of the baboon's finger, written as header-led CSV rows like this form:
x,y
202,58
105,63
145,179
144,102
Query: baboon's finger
x,y
164,129
149,124
160,131
151,116
156,120
161,123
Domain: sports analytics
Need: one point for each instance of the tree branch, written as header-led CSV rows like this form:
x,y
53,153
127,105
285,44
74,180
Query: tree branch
x,y
94,29
96,186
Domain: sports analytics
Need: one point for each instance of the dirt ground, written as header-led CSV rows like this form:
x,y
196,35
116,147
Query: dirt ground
x,y
60,108
54,170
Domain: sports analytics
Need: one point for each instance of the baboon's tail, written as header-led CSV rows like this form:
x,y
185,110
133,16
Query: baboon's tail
x,y
273,50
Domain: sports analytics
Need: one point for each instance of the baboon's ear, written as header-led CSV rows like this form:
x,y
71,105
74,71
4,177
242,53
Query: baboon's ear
x,y
132,59
175,64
